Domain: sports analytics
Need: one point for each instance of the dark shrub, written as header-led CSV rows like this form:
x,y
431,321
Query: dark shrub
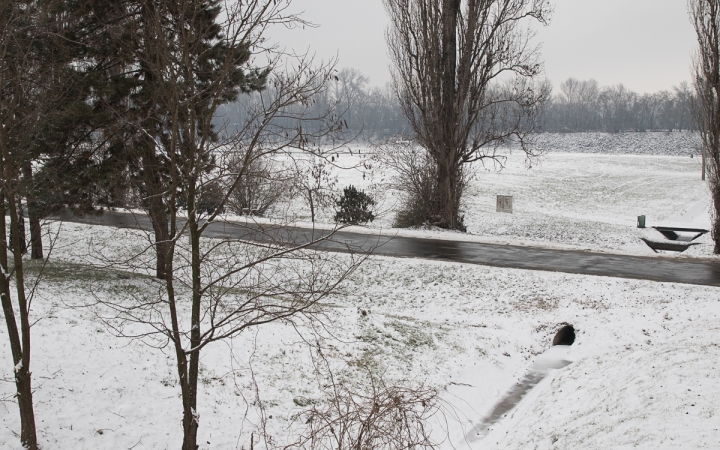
x,y
354,207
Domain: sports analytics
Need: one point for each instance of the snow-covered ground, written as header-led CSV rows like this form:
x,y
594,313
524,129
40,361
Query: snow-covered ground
x,y
572,200
643,372
643,369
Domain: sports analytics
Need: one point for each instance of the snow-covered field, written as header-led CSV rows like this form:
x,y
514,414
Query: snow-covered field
x,y
575,200
643,373
644,366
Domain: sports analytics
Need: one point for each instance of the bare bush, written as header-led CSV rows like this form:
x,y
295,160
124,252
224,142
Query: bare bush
x,y
415,178
261,185
380,417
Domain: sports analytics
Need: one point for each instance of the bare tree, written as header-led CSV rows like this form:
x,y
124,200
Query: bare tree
x,y
584,106
449,58
349,89
19,38
616,104
705,16
315,183
214,290
684,98
578,99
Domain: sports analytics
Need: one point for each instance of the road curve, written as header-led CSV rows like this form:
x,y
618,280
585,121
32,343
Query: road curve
x,y
689,271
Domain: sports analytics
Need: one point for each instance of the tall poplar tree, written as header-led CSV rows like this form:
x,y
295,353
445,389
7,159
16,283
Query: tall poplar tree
x,y
450,57
705,16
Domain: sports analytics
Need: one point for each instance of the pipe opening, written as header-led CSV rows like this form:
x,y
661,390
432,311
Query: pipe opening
x,y
564,336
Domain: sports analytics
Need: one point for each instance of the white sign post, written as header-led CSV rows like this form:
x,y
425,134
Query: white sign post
x,y
505,203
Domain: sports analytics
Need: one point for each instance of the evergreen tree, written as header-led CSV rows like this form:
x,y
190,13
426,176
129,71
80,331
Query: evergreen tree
x,y
169,58
354,207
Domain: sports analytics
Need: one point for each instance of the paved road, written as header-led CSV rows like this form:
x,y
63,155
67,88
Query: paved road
x,y
689,271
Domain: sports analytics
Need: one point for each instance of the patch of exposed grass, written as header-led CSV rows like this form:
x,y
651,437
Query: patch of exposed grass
x,y
64,271
412,334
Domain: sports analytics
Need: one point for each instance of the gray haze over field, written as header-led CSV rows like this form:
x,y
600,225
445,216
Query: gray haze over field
x,y
644,44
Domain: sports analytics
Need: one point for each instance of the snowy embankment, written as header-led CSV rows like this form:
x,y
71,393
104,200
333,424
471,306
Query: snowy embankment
x,y
676,143
643,370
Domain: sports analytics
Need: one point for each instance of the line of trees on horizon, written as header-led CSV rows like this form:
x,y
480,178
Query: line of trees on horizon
x,y
586,106
372,113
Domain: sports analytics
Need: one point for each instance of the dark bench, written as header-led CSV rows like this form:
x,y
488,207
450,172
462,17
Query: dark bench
x,y
675,242
671,246
672,233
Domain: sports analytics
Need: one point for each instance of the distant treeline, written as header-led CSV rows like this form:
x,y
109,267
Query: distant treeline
x,y
373,113
586,106
369,113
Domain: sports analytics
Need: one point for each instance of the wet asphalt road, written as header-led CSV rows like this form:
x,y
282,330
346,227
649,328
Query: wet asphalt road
x,y
677,270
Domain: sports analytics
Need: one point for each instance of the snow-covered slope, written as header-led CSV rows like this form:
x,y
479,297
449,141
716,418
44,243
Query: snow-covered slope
x,y
643,372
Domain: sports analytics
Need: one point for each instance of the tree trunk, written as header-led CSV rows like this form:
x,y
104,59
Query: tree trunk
x,y
20,231
159,218
715,191
156,207
188,379
36,247
28,433
21,382
447,195
448,140
152,167
190,417
21,352
36,251
312,205
157,210
189,398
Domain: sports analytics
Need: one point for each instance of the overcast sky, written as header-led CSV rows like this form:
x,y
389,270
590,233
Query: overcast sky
x,y
644,44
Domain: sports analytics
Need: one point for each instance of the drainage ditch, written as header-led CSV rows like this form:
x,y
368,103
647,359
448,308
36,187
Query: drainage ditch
x,y
553,358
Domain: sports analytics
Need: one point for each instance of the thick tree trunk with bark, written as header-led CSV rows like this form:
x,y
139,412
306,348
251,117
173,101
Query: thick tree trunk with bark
x,y
157,210
447,210
447,196
155,203
153,181
36,247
